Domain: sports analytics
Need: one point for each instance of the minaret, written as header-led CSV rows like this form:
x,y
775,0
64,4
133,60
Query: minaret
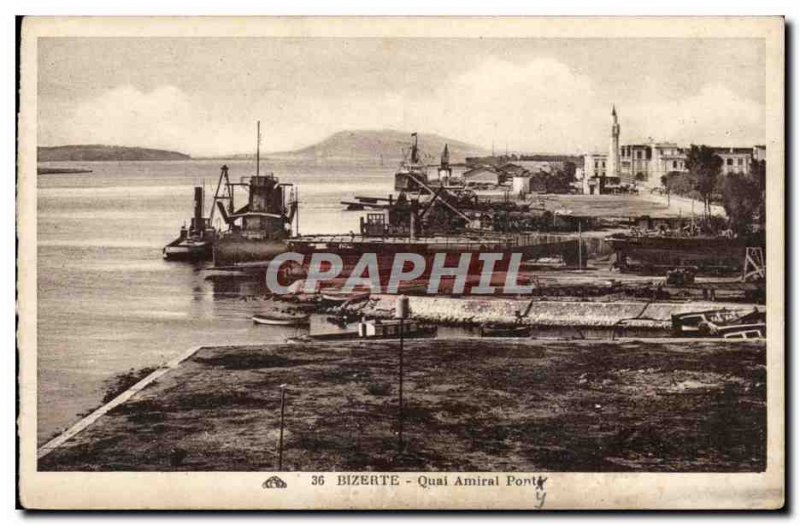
x,y
612,168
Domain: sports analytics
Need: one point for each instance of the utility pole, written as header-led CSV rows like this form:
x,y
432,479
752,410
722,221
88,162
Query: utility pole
x,y
400,433
297,211
401,313
580,248
280,437
258,146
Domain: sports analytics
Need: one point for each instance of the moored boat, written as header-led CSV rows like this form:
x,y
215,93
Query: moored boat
x,y
282,319
720,323
390,329
195,243
187,249
338,296
499,330
744,331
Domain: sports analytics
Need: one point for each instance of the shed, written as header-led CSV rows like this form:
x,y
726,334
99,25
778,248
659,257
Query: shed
x,y
483,175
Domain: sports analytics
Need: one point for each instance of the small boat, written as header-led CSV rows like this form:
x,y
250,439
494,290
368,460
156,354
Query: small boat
x,y
499,330
390,329
720,323
337,296
743,331
748,326
282,319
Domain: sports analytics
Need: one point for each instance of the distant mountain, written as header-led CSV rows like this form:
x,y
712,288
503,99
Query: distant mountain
x,y
388,146
98,152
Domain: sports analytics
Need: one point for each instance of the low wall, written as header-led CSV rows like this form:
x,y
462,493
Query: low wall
x,y
541,313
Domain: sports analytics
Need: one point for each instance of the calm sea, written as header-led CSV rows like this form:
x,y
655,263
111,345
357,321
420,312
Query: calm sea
x,y
107,302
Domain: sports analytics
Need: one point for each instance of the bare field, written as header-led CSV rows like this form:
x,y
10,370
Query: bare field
x,y
471,405
645,203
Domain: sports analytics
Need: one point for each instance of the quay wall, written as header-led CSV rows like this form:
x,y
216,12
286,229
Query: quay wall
x,y
540,313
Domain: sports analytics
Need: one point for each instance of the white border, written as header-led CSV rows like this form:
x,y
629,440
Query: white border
x,y
150,7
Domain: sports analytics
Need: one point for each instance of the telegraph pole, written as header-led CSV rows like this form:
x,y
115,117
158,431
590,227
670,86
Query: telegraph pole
x,y
258,146
580,248
401,313
280,436
400,433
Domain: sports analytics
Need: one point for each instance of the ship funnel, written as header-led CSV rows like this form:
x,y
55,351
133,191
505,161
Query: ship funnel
x,y
197,220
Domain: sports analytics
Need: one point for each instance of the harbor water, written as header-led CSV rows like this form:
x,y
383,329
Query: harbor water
x,y
107,302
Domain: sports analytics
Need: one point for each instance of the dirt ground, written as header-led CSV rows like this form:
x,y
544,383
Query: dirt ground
x,y
470,405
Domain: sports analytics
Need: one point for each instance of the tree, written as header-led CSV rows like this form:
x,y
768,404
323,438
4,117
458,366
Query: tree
x,y
705,166
560,181
679,183
744,199
665,185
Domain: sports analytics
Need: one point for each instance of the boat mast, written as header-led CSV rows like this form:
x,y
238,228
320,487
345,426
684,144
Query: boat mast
x,y
414,150
258,146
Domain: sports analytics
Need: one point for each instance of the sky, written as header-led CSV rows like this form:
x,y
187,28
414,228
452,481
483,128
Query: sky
x,y
203,96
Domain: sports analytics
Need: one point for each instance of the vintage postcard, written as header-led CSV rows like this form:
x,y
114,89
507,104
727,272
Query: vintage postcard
x,y
401,263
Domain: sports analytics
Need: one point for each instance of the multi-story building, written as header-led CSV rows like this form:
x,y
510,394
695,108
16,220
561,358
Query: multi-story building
x,y
735,160
594,168
645,164
594,165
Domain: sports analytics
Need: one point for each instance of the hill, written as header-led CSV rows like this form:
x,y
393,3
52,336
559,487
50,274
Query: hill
x,y
98,152
388,146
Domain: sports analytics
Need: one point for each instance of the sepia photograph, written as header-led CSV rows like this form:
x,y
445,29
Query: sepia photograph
x,y
401,263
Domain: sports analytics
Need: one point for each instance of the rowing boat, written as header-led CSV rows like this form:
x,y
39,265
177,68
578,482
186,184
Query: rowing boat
x,y
282,319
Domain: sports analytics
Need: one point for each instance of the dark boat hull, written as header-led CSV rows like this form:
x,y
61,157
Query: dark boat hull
x,y
231,250
708,255
181,250
506,331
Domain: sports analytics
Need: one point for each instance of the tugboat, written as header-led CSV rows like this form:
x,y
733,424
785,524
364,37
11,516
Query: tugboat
x,y
196,242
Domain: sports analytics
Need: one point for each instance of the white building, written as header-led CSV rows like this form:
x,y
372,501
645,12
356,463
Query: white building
x,y
520,185
595,168
736,160
483,175
644,164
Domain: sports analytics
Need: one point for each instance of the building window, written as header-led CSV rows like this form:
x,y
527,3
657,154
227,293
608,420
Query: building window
x,y
741,162
730,161
674,164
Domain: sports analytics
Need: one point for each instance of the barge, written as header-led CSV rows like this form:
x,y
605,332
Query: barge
x,y
714,255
